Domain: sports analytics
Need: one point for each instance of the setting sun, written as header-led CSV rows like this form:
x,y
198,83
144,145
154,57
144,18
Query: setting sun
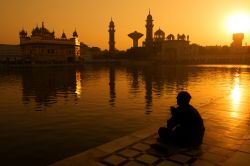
x,y
239,23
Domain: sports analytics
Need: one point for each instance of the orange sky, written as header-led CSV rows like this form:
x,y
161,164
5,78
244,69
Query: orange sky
x,y
203,20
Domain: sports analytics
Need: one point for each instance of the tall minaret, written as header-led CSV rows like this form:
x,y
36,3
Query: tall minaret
x,y
111,36
149,31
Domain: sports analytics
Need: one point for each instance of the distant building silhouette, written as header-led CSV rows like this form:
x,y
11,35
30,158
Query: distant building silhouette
x,y
88,54
237,39
236,45
135,36
174,49
149,32
111,36
10,53
43,47
159,37
159,47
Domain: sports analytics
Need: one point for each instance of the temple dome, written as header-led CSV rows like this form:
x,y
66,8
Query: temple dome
x,y
63,36
160,32
75,34
22,33
41,31
36,31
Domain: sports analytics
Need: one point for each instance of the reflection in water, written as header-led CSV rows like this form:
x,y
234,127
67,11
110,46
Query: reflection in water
x,y
157,77
45,85
182,78
78,84
148,91
157,81
134,80
112,85
236,94
138,90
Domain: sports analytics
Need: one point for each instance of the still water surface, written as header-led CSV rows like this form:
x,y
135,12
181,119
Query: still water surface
x,y
49,114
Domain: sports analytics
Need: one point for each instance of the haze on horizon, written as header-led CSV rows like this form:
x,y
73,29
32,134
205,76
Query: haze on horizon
x,y
204,21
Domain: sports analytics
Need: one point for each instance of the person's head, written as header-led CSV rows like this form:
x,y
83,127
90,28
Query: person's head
x,y
183,98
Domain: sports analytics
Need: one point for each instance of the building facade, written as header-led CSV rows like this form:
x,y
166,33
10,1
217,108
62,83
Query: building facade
x,y
175,49
43,47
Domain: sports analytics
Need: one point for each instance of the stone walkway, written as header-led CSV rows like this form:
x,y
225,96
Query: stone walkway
x,y
226,142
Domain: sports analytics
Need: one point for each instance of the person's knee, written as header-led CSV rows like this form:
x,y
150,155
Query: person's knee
x,y
163,132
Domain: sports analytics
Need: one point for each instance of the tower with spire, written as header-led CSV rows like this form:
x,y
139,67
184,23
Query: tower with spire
x,y
149,32
111,36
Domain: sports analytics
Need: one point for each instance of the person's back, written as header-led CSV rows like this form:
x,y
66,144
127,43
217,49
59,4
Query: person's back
x,y
185,127
188,124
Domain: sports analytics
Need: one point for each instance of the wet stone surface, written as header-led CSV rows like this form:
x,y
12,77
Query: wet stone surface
x,y
141,153
226,142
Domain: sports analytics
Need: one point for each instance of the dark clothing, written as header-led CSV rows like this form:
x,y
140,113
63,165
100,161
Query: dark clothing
x,y
185,127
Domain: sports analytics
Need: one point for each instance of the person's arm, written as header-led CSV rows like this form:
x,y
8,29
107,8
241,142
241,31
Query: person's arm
x,y
173,121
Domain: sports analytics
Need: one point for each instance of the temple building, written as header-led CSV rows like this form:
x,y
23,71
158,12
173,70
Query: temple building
x,y
158,46
159,37
175,48
43,47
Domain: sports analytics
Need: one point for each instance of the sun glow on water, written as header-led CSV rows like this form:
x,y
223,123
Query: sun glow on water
x,y
78,84
236,95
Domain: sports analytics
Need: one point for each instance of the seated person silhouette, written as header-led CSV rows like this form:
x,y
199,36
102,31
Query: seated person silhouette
x,y
185,128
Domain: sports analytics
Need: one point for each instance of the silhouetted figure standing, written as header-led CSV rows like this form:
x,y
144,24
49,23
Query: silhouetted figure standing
x,y
185,127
